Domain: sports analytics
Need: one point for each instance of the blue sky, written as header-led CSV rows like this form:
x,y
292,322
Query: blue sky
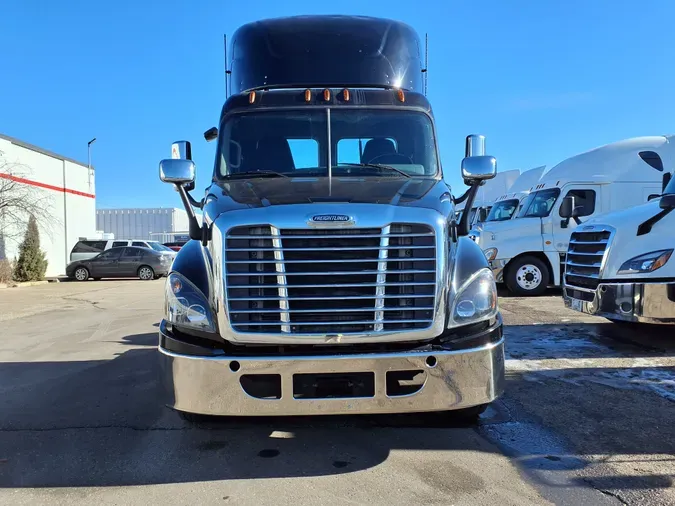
x,y
543,80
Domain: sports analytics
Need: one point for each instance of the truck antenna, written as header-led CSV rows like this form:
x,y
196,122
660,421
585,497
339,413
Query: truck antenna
x,y
227,72
426,62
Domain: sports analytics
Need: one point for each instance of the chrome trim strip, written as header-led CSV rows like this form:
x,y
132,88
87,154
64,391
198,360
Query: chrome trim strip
x,y
381,279
281,281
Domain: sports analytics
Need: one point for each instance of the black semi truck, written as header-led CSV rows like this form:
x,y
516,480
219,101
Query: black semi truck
x,y
328,274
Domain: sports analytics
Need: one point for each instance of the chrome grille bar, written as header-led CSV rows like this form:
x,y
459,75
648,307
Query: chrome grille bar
x,y
281,279
381,278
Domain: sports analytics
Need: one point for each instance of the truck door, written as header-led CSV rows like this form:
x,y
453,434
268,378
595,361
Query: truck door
x,y
587,200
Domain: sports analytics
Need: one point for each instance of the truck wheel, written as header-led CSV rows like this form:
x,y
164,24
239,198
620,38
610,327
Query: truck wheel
x,y
81,274
527,276
146,273
466,416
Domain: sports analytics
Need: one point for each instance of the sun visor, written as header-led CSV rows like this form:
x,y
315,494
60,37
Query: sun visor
x,y
330,51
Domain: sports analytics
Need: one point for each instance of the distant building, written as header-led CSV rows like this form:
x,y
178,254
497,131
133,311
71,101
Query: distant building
x,y
159,223
66,192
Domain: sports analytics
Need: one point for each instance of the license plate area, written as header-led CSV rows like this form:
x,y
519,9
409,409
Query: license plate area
x,y
333,385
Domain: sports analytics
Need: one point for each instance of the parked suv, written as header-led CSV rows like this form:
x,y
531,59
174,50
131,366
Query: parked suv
x,y
89,248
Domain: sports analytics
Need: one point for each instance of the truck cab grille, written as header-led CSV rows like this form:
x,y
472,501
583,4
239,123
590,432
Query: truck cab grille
x,y
583,263
330,281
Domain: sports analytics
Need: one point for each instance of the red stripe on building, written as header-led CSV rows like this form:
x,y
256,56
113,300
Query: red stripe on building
x,y
47,186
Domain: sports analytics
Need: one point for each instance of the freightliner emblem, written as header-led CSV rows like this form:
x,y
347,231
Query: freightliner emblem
x,y
330,220
331,217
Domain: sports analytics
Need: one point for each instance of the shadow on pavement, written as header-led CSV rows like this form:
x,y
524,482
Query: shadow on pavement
x,y
102,423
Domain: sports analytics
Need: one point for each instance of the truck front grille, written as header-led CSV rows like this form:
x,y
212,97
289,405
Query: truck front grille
x,y
583,263
330,281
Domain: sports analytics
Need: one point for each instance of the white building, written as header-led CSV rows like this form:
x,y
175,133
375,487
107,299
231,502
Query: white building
x,y
159,223
66,191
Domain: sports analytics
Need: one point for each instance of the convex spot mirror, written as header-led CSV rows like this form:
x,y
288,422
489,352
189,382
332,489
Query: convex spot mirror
x,y
479,168
177,171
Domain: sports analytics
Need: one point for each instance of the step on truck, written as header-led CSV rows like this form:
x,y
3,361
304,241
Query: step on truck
x,y
328,274
620,266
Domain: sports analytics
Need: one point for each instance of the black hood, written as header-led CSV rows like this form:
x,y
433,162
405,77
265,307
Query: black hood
x,y
253,193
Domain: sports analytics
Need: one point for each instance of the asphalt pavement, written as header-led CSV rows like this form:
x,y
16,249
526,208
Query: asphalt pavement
x,y
587,418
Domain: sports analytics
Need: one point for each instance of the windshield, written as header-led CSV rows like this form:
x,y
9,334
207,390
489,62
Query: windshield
x,y
539,204
503,210
670,188
158,247
295,143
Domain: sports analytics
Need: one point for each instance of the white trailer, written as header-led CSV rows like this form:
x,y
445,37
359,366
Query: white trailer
x,y
527,253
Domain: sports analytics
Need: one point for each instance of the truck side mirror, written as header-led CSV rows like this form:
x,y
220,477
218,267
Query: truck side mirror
x,y
177,171
181,150
667,201
567,207
476,166
211,134
482,214
476,169
666,179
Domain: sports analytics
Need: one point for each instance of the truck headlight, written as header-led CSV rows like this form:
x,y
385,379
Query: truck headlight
x,y
186,305
648,262
476,300
490,253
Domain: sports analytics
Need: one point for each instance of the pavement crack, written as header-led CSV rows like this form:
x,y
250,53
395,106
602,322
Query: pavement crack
x,y
605,492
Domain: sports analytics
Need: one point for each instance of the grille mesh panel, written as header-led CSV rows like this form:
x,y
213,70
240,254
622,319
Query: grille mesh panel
x,y
330,281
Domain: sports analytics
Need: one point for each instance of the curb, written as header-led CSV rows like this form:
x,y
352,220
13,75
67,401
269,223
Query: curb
x,y
21,285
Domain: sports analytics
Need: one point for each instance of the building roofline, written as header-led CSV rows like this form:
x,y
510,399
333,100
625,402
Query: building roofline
x,y
43,151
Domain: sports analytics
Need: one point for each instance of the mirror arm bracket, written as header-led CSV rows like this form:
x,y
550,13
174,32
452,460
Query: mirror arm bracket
x,y
195,230
463,228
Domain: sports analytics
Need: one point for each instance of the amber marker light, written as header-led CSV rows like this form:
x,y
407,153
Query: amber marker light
x,y
326,94
251,97
308,95
345,95
401,96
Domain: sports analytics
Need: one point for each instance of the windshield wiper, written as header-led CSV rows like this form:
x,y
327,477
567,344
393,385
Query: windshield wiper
x,y
377,166
254,173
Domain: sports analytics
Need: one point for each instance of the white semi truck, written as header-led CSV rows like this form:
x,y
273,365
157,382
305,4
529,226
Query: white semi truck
x,y
328,274
620,265
527,253
506,206
488,194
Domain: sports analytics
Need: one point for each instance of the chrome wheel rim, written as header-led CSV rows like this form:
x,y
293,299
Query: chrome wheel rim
x,y
145,273
529,277
81,274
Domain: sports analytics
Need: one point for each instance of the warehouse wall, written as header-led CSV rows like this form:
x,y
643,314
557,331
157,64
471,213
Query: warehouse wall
x,y
69,197
139,223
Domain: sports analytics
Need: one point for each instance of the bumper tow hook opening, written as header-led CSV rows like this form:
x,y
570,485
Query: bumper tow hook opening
x,y
235,366
431,361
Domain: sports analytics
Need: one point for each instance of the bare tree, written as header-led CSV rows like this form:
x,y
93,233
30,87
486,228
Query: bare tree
x,y
18,201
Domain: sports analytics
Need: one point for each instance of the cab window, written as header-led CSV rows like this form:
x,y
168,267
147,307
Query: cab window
x,y
584,201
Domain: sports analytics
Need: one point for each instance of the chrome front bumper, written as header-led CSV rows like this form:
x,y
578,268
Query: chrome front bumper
x,y
632,302
497,267
452,380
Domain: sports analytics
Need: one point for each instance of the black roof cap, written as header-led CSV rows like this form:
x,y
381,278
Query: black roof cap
x,y
325,50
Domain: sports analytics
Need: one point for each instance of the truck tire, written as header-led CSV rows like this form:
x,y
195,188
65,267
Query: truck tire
x,y
527,276
463,417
